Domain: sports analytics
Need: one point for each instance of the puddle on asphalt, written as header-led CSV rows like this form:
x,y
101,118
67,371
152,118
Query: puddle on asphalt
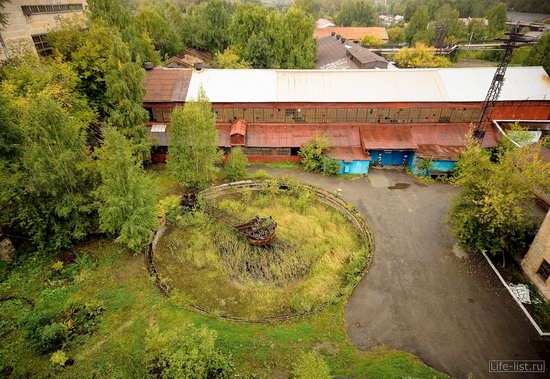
x,y
399,186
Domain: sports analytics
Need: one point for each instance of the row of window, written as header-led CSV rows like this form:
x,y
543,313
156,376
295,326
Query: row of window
x,y
30,10
270,151
320,115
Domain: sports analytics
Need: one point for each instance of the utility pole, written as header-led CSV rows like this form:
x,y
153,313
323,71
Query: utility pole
x,y
514,36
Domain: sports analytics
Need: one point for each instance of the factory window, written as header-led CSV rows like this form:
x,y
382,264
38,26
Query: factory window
x,y
371,115
445,115
320,115
282,151
383,115
294,151
218,112
160,114
331,115
361,115
248,114
341,115
258,151
30,10
310,115
352,115
263,114
294,115
41,45
544,270
280,115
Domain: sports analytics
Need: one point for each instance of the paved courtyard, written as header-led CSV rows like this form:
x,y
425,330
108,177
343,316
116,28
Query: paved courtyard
x,y
421,295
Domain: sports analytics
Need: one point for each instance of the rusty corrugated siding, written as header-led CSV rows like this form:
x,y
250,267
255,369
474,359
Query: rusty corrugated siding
x,y
439,152
355,33
295,135
166,85
348,154
387,137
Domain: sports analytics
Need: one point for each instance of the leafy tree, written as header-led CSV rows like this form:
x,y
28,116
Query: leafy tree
x,y
417,28
249,19
357,13
258,51
158,27
497,18
193,143
478,31
313,153
371,41
310,365
68,36
187,353
419,56
53,180
540,53
447,27
113,13
331,166
235,167
206,25
492,213
229,59
396,35
126,202
299,48
311,7
124,97
410,8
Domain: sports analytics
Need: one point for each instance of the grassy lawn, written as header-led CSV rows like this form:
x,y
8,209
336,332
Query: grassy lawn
x,y
106,276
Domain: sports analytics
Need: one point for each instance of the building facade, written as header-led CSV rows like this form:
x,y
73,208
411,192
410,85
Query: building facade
x,y
370,117
536,263
29,22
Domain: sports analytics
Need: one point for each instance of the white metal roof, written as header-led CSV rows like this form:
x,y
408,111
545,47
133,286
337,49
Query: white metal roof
x,y
406,85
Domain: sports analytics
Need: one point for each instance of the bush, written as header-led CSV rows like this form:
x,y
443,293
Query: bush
x,y
371,41
188,353
420,56
235,167
312,153
52,337
311,365
261,175
331,166
59,358
168,208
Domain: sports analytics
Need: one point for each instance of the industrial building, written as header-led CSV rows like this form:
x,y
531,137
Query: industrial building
x,y
371,117
30,21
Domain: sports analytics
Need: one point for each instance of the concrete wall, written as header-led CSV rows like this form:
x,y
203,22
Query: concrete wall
x,y
17,34
539,250
354,167
436,166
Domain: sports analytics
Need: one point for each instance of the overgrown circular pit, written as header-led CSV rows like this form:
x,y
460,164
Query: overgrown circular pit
x,y
321,250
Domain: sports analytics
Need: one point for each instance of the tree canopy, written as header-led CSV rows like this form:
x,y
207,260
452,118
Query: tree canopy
x,y
357,13
194,148
420,56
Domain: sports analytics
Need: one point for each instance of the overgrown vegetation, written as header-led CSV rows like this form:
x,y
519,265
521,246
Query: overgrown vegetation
x,y
303,272
420,56
493,212
236,166
116,281
311,365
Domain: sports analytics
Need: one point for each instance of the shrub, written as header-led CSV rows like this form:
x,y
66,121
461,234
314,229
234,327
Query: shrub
x,y
235,167
59,358
331,166
188,353
312,153
52,337
261,175
168,208
371,41
311,365
423,165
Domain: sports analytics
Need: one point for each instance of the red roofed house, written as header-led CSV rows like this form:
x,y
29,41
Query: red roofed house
x,y
370,117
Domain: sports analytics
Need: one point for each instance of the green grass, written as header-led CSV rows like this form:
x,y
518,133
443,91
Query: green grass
x,y
118,280
278,165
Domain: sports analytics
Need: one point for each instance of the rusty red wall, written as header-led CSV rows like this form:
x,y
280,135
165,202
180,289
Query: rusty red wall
x,y
273,158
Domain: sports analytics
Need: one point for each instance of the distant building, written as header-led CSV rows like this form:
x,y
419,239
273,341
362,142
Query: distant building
x,y
323,23
29,24
353,33
188,58
389,20
468,20
334,53
370,117
535,25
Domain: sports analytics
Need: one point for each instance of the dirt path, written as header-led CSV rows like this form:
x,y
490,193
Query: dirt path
x,y
419,296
